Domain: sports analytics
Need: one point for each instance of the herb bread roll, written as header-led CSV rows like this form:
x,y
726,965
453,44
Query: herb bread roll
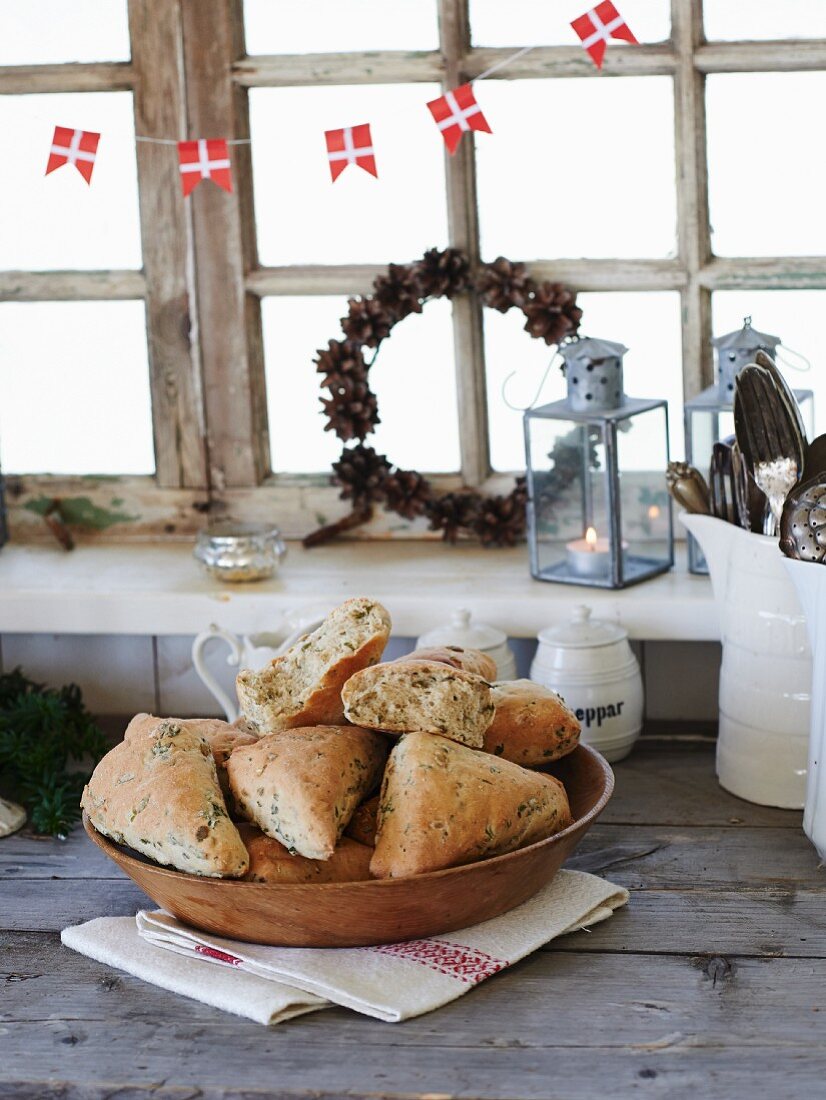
x,y
443,805
271,862
362,825
302,786
159,794
471,660
531,724
420,696
303,686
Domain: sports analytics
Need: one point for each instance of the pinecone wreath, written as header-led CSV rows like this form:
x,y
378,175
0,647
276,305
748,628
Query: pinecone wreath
x,y
367,478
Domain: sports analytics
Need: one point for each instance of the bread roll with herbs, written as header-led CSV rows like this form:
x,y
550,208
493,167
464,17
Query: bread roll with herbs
x,y
363,823
302,786
444,805
303,686
420,696
159,794
471,660
271,862
531,724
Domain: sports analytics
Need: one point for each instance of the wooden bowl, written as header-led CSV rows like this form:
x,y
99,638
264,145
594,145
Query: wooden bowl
x,y
359,914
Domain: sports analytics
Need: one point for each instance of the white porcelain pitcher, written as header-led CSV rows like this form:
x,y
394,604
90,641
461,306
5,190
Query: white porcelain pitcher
x,y
810,581
247,651
765,677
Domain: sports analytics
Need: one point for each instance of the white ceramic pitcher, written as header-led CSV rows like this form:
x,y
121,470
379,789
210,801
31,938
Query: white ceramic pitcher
x,y
810,581
765,678
247,651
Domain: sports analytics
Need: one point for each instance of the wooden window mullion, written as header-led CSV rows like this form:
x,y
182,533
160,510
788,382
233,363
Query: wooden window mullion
x,y
174,361
463,227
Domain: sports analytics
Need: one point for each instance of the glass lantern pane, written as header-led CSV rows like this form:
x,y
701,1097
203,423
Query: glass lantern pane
x,y
74,388
59,220
796,316
647,323
642,451
329,26
415,362
730,20
84,30
303,217
747,152
538,23
585,201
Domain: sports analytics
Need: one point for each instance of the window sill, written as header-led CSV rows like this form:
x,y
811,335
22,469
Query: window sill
x,y
154,589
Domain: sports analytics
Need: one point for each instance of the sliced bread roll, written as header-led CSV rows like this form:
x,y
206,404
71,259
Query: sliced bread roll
x,y
443,805
159,794
271,862
363,823
422,696
303,686
531,724
471,660
302,786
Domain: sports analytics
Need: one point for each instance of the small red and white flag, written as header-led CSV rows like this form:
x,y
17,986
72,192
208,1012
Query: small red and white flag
x,y
456,113
204,159
599,24
352,145
77,147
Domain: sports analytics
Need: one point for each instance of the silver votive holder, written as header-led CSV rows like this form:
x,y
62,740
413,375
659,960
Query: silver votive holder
x,y
237,553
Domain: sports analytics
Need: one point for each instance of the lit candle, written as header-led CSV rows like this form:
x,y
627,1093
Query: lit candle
x,y
589,557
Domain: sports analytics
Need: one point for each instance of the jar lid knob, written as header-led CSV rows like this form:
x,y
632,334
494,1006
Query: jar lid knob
x,y
582,613
461,617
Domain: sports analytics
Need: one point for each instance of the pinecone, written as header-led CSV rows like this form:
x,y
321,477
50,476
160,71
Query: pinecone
x,y
338,358
443,274
361,473
502,285
502,520
552,313
367,322
406,492
351,409
450,512
398,292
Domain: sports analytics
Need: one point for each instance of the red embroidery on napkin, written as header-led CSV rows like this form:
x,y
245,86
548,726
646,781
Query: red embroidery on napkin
x,y
464,963
221,956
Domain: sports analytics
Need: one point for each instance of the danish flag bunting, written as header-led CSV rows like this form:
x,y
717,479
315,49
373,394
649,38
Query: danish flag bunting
x,y
204,159
597,26
352,145
77,147
457,112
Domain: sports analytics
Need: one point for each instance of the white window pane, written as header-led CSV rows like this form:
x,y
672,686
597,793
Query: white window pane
x,y
766,173
545,23
74,388
413,378
732,19
611,193
59,220
647,323
796,316
45,32
330,26
303,217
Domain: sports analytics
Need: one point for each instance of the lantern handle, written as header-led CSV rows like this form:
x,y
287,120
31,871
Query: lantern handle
x,y
530,405
798,355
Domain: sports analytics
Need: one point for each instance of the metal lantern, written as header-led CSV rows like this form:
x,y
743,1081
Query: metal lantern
x,y
598,510
709,416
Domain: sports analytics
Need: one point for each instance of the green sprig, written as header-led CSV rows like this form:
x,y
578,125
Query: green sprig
x,y
47,741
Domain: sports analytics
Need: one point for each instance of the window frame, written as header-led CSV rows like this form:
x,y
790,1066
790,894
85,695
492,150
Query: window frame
x,y
202,283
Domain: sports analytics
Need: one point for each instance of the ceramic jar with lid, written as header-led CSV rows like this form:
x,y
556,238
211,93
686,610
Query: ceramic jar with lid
x,y
590,664
463,631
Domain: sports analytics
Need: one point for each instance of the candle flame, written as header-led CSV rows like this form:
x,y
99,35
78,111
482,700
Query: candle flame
x,y
653,512
591,538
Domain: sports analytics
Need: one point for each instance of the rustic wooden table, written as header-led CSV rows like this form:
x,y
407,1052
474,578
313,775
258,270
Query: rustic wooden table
x,y
710,984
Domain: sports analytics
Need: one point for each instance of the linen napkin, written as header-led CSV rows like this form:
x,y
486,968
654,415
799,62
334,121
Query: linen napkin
x,y
391,982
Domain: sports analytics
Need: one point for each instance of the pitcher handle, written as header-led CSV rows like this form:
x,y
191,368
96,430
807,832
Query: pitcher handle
x,y
229,707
